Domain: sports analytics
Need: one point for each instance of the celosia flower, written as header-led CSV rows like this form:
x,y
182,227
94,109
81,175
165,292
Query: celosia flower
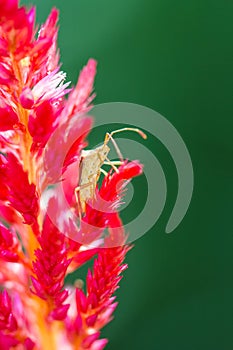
x,y
37,309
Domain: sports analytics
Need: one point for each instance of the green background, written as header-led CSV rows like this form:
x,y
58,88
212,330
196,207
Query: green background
x,y
176,58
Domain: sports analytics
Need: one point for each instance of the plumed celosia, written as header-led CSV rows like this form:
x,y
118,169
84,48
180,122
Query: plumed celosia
x,y
38,310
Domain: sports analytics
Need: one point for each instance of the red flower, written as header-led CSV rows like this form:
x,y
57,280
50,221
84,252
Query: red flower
x,y
42,135
101,212
7,319
11,334
21,194
50,269
8,245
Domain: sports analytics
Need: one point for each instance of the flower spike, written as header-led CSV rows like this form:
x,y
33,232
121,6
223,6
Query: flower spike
x,y
42,136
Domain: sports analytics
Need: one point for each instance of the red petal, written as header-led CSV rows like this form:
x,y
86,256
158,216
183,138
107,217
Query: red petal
x,y
86,343
8,118
60,313
99,344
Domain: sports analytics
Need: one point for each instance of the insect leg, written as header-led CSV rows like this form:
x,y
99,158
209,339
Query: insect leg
x,y
109,137
102,161
114,162
103,172
78,201
93,183
82,202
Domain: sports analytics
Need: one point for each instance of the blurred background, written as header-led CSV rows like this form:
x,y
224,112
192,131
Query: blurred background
x,y
176,58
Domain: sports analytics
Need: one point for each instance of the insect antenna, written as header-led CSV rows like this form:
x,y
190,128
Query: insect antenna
x,y
109,136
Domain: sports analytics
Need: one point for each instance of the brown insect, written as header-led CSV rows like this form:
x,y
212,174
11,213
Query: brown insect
x,y
90,168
